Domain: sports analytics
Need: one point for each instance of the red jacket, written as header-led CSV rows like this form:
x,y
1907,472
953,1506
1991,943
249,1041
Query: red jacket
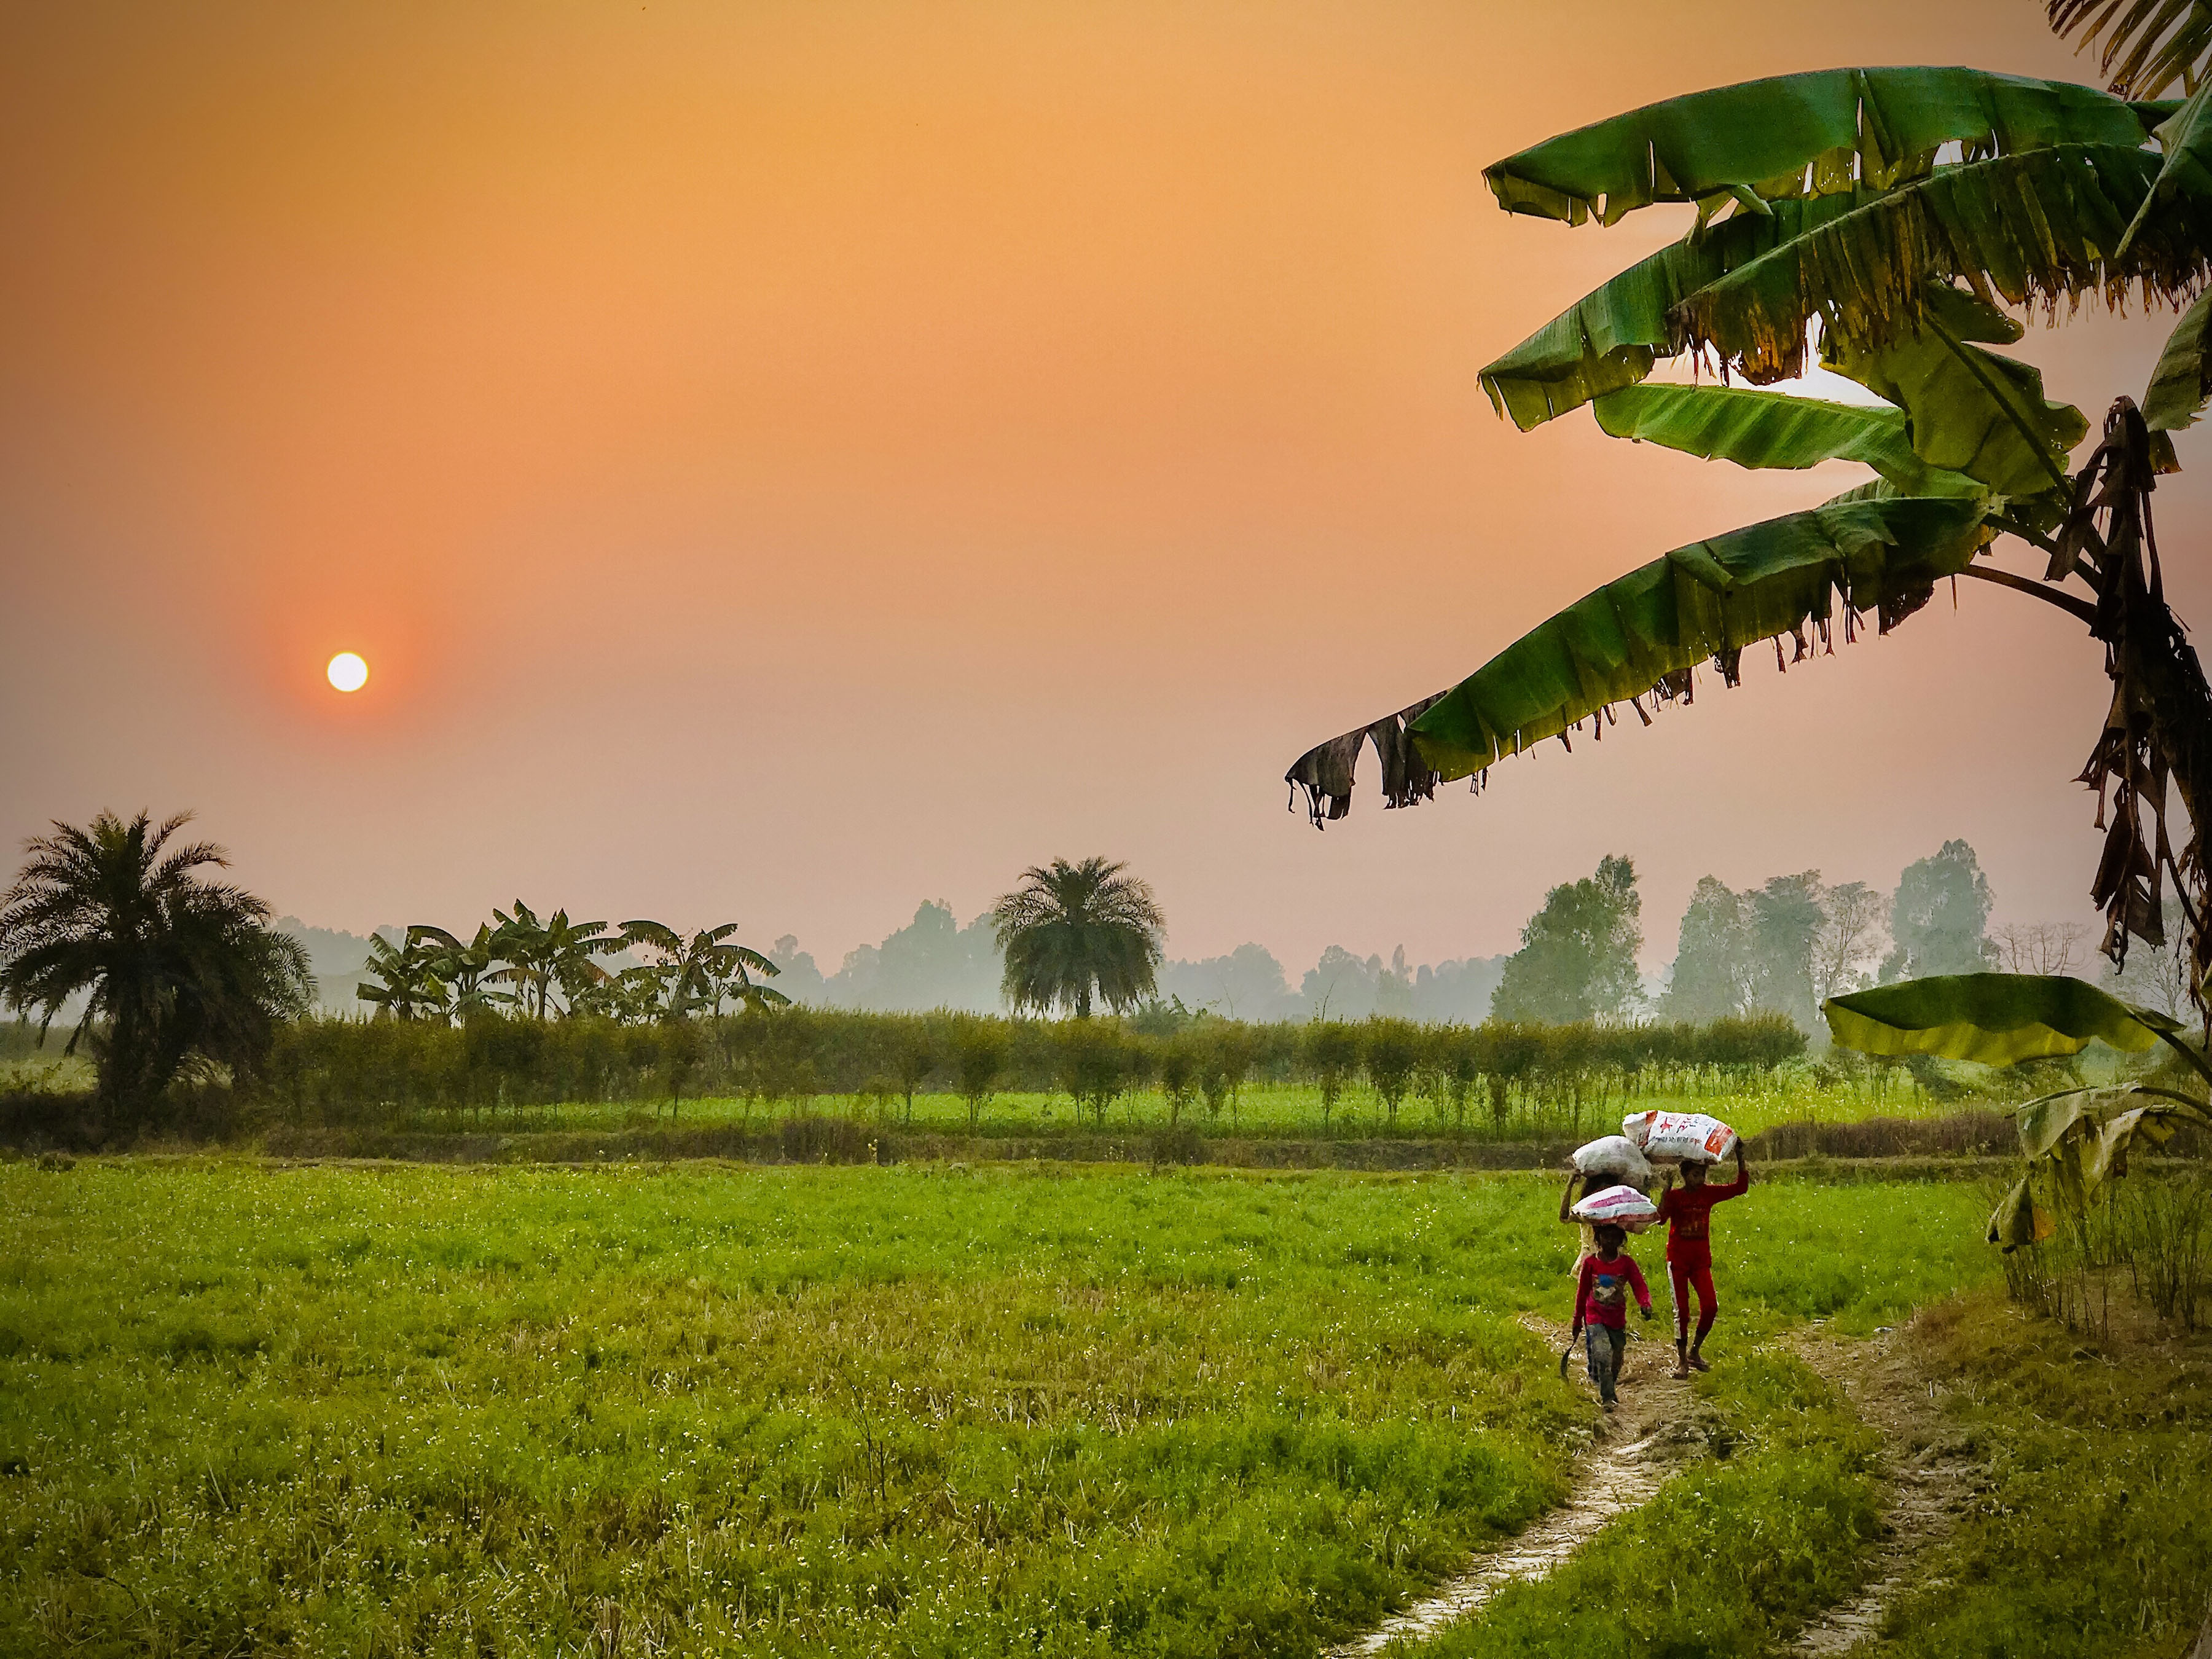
x,y
1601,1292
1688,1213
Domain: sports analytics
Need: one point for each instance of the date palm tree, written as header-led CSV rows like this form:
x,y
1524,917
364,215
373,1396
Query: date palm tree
x,y
175,967
1071,930
1892,219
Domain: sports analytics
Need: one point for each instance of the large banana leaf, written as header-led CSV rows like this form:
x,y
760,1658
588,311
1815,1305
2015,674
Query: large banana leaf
x,y
1768,429
1611,337
1950,393
1995,1019
2184,142
2182,382
2046,225
1646,630
1797,135
1870,550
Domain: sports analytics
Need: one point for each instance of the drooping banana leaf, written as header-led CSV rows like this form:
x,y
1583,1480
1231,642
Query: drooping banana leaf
x,y
1995,1019
2081,1138
2184,142
1611,337
1950,394
2018,1220
2150,45
1798,135
1769,429
2043,225
2182,383
1646,632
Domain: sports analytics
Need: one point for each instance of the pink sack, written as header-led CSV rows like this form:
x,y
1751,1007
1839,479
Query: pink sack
x,y
1619,1206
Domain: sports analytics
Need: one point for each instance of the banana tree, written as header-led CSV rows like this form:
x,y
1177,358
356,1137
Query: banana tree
x,y
541,956
407,984
466,969
706,969
1889,221
2074,1141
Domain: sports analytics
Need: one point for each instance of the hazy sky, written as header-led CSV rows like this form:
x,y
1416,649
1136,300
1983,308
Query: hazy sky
x,y
784,462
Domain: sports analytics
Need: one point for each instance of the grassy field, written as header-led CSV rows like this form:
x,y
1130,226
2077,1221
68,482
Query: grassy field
x,y
825,1411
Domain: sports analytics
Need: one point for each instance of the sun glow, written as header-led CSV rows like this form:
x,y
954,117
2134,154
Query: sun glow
x,y
348,671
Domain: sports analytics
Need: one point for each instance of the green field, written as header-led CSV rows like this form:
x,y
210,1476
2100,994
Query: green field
x,y
827,1410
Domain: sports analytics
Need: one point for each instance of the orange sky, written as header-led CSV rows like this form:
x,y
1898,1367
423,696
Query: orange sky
x,y
784,462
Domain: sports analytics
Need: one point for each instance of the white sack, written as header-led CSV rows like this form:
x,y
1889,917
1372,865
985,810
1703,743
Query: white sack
x,y
1615,1156
1679,1137
1620,1206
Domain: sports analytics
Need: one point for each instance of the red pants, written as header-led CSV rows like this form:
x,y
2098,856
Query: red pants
x,y
1686,1276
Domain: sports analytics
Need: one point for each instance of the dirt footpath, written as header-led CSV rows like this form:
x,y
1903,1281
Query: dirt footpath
x,y
1653,1434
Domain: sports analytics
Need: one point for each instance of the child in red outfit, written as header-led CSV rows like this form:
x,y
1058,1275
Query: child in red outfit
x,y
1688,1211
1602,1307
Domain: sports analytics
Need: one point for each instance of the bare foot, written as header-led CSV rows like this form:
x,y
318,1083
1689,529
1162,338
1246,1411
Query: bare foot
x,y
1697,1362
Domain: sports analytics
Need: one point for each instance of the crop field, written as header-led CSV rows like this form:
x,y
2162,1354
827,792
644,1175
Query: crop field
x,y
817,1410
1287,1111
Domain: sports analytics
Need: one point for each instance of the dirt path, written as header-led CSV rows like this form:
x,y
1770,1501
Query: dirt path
x,y
1930,1476
1648,1439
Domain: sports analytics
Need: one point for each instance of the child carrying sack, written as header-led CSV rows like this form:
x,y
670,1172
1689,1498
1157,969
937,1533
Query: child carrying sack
x,y
1615,1157
1617,1206
1679,1137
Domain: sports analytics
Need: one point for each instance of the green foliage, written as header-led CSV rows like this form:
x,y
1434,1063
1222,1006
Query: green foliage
x,y
1074,929
1769,429
1391,1050
2149,45
1993,1019
1328,1049
1578,955
178,972
800,1410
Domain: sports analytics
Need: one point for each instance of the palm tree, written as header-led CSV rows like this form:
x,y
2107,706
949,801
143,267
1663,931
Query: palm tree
x,y
1895,218
407,984
1071,928
174,968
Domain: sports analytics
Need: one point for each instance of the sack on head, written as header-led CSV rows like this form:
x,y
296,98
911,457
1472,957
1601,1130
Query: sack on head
x,y
1617,1207
1616,1157
1679,1137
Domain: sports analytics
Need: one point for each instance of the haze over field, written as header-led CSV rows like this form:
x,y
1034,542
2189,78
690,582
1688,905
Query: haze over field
x,y
778,462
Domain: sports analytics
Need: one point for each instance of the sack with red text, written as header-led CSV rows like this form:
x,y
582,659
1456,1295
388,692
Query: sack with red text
x,y
1679,1137
1617,1206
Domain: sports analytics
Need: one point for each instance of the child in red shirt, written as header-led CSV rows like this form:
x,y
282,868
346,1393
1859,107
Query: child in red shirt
x,y
1688,1211
1602,1307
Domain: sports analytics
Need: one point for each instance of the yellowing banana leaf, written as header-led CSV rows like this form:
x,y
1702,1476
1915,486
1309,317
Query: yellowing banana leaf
x,y
1950,395
1769,429
2081,1138
2182,382
1610,338
1797,135
2018,1220
1995,1019
2044,225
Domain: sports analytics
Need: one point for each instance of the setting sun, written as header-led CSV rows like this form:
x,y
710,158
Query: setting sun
x,y
348,671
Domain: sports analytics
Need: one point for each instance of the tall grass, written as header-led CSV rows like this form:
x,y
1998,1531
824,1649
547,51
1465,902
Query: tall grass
x,y
2149,1236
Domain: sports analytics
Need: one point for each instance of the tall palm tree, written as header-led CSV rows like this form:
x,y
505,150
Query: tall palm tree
x,y
174,966
1071,928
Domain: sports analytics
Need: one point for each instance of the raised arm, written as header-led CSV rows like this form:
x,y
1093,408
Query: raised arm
x,y
1567,1198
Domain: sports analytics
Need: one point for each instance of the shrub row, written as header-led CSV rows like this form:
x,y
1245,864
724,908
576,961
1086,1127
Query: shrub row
x,y
341,1072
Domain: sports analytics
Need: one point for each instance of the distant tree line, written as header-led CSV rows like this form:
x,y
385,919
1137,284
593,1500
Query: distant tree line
x,y
1492,1077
